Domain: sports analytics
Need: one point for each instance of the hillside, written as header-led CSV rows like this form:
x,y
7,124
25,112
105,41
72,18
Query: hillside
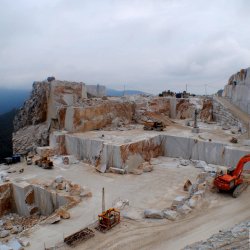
x,y
6,129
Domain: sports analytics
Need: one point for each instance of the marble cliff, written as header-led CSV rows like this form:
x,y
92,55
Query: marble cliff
x,y
238,89
62,105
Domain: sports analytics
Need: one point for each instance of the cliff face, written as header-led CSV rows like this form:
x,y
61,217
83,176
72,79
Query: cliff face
x,y
33,121
60,105
34,110
238,89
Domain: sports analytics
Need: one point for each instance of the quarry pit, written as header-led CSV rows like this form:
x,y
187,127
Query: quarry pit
x,y
101,142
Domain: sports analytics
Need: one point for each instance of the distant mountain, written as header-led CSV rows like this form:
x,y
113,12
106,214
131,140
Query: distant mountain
x,y
114,92
6,130
12,98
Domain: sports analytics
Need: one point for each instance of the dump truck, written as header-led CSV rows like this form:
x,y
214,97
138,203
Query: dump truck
x,y
158,126
233,179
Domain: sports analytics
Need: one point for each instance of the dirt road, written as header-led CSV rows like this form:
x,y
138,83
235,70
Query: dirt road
x,y
222,213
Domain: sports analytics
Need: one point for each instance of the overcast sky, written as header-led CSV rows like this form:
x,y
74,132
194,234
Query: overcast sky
x,y
147,45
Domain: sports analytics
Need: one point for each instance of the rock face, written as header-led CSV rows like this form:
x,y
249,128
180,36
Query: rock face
x,y
238,89
39,114
34,110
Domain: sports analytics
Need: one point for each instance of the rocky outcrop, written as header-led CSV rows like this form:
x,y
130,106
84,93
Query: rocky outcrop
x,y
40,113
34,110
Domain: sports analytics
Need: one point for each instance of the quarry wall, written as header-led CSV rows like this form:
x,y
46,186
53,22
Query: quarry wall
x,y
26,199
126,155
238,89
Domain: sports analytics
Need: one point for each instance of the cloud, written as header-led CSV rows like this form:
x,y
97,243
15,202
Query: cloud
x,y
150,45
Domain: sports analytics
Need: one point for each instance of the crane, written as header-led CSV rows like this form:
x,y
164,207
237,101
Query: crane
x,y
233,179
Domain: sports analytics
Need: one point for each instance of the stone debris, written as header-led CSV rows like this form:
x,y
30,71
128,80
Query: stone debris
x,y
184,162
153,214
235,238
184,209
59,179
117,170
178,201
146,167
55,218
121,204
15,244
170,214
24,242
187,185
63,213
4,233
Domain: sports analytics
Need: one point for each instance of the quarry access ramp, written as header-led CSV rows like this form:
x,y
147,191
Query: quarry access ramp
x,y
236,111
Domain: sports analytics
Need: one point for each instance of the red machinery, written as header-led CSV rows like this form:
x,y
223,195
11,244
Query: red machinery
x,y
233,179
108,219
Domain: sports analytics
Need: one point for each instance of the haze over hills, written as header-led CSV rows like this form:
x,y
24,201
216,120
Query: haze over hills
x,y
114,92
12,98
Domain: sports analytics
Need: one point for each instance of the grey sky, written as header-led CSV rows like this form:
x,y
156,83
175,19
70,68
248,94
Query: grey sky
x,y
147,45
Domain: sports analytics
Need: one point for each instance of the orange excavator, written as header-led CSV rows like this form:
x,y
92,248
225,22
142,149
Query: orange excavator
x,y
233,181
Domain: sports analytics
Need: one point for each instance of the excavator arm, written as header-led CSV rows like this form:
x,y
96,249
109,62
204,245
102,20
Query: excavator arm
x,y
239,168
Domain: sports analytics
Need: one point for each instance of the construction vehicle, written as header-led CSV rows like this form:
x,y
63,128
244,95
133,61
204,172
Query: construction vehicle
x,y
44,163
158,126
108,218
233,180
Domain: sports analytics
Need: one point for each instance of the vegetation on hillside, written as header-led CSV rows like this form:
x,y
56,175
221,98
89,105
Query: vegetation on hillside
x,y
6,130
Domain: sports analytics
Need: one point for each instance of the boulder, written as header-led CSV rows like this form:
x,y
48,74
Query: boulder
x,y
59,179
184,162
15,245
170,214
153,214
178,201
117,170
193,201
201,177
200,164
202,186
187,185
184,209
24,242
147,167
4,233
200,193
16,229
85,193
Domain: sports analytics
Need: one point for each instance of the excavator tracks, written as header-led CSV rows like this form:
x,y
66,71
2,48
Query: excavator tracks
x,y
239,189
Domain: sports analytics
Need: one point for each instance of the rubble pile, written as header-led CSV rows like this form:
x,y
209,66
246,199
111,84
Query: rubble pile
x,y
30,137
235,238
195,197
